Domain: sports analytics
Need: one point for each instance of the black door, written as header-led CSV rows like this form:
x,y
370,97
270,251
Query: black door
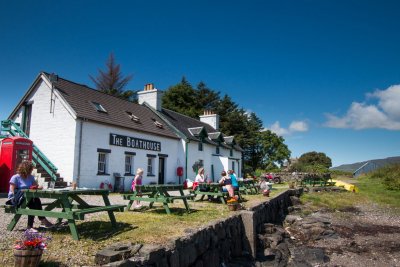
x,y
161,170
26,122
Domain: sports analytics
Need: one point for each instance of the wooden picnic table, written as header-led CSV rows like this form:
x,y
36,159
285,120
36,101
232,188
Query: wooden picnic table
x,y
213,190
157,193
72,206
248,186
317,180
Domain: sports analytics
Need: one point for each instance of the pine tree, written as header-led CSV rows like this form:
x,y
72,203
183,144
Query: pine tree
x,y
112,82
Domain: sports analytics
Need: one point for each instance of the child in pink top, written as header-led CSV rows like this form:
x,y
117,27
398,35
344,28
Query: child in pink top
x,y
137,181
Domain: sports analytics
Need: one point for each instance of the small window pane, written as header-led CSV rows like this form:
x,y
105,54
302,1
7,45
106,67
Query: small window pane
x,y
200,146
128,164
102,162
150,166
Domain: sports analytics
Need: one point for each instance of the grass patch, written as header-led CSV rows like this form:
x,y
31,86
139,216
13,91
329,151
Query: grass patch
x,y
381,186
146,226
332,201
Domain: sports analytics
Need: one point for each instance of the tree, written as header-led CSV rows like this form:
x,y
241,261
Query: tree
x,y
181,98
313,162
112,82
315,158
268,150
206,98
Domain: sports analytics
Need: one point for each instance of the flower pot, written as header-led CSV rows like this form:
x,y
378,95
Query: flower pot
x,y
233,206
27,258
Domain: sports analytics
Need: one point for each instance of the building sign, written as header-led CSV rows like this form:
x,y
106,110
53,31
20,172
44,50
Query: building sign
x,y
133,142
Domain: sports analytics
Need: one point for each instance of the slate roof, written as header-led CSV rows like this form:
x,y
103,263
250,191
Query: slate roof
x,y
81,97
191,127
183,123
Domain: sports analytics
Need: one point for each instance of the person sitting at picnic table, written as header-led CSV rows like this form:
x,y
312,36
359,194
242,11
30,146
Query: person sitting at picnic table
x,y
200,176
235,183
226,181
25,180
137,181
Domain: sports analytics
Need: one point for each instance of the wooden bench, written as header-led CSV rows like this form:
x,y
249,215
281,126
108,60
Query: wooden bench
x,y
157,194
64,201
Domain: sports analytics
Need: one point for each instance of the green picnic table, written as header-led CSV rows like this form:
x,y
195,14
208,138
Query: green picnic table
x,y
248,186
72,206
213,190
159,193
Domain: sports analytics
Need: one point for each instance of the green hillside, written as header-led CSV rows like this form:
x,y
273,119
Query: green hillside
x,y
379,162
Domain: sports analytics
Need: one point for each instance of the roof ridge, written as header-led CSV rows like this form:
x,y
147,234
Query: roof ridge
x,y
89,88
189,118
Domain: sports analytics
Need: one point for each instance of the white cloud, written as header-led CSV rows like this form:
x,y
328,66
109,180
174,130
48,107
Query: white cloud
x,y
298,126
385,114
295,126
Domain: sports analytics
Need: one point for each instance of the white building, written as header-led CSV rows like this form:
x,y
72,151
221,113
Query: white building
x,y
90,135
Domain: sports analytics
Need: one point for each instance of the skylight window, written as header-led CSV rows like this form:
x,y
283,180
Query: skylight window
x,y
133,117
157,123
99,107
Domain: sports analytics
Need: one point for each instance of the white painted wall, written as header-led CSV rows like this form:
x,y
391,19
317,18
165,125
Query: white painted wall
x,y
53,133
96,136
220,162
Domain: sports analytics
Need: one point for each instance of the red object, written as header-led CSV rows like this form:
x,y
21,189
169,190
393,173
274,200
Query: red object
x,y
179,171
33,187
195,185
13,151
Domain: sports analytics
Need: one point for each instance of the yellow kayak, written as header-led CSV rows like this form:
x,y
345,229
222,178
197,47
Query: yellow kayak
x,y
347,186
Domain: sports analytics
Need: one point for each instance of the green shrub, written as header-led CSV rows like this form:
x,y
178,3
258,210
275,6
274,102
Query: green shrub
x,y
389,175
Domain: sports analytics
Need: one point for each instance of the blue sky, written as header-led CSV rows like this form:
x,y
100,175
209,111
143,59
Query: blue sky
x,y
321,73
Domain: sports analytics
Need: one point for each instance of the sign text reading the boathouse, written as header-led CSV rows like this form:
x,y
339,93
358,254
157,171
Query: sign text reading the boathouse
x,y
133,142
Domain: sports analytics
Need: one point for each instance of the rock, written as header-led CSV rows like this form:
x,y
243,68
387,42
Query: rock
x,y
268,228
106,256
310,256
295,200
116,252
290,219
152,253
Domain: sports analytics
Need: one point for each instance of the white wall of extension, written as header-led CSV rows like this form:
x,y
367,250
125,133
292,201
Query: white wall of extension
x,y
96,136
52,132
213,164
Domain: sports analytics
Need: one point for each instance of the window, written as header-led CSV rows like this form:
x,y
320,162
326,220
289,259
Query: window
x,y
217,150
133,117
128,164
150,164
157,123
231,153
102,163
99,107
200,145
233,165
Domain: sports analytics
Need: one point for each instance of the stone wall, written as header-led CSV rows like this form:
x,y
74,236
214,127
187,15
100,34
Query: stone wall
x,y
210,246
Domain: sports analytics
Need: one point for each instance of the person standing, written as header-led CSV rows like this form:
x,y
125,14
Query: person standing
x,y
25,180
137,181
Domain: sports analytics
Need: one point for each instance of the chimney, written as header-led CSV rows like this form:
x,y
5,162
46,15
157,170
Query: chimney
x,y
151,96
210,118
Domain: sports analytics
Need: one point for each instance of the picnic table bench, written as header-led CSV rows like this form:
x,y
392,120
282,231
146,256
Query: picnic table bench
x,y
157,193
317,181
248,187
213,190
72,206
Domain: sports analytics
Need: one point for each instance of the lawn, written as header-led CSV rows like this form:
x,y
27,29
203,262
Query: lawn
x,y
146,226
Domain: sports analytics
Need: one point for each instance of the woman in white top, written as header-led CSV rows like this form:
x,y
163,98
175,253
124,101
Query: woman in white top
x,y
200,176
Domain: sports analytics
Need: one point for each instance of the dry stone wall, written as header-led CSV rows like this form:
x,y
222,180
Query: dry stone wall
x,y
211,246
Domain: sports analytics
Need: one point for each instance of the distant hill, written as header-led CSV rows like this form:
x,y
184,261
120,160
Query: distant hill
x,y
378,162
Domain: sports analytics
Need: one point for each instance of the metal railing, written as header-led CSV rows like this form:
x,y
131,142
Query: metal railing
x,y
38,158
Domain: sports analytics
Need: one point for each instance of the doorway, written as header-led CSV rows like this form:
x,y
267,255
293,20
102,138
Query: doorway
x,y
161,170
